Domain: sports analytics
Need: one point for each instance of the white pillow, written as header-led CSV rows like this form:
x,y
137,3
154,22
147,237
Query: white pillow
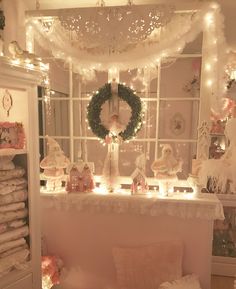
x,y
186,282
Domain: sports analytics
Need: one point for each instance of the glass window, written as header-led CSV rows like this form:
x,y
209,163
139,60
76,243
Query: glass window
x,y
171,96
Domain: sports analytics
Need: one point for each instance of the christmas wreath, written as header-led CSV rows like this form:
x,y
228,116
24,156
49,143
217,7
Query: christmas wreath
x,y
95,106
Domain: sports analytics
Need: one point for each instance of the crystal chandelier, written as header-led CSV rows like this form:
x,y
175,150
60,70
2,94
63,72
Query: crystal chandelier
x,y
117,28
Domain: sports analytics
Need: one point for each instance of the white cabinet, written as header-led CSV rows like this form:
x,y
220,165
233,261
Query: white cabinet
x,y
22,86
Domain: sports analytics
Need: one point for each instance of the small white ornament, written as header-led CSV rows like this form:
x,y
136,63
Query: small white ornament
x,y
7,102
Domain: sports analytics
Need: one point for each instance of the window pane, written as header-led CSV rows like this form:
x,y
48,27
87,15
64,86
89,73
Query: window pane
x,y
87,87
80,116
181,79
129,153
184,151
178,119
59,119
93,150
194,46
149,126
57,94
138,80
64,144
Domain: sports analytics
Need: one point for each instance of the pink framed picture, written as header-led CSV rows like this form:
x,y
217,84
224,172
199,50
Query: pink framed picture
x,y
12,135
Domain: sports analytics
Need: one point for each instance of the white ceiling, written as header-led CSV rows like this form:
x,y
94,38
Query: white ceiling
x,y
58,4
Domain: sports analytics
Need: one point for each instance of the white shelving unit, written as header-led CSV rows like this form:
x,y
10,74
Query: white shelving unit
x,y
6,152
22,85
222,265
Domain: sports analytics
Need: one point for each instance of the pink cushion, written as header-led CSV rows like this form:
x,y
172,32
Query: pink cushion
x,y
148,266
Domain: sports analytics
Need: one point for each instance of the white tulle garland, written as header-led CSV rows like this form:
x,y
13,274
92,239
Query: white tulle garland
x,y
183,29
180,31
57,40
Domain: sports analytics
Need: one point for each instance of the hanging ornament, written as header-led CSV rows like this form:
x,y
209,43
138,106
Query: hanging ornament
x,y
7,102
37,4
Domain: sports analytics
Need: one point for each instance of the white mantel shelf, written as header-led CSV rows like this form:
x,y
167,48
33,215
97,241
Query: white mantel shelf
x,y
182,205
85,227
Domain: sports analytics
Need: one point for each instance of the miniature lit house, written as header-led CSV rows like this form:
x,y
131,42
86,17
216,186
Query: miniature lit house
x,y
139,184
80,178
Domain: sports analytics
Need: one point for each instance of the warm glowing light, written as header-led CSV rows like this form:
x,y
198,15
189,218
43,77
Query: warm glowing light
x,y
15,61
209,18
233,74
29,65
46,282
100,190
44,66
46,81
190,196
164,54
208,67
215,5
149,195
27,60
209,82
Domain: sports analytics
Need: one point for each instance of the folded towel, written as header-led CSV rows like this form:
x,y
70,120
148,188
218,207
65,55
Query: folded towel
x,y
13,215
16,224
14,197
12,207
12,244
6,187
3,228
13,250
13,261
11,174
14,234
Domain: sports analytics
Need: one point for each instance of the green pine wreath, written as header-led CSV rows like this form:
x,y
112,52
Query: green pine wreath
x,y
95,106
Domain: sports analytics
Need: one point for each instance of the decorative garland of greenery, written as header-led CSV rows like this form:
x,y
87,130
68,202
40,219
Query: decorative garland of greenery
x,y
95,107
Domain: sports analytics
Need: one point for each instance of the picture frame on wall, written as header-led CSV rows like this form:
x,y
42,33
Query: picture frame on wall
x,y
12,135
177,124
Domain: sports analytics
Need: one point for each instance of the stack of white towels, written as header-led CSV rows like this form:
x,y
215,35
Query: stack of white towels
x,y
14,250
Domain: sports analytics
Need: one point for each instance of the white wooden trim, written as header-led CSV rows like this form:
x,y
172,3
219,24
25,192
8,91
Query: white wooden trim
x,y
179,98
205,95
158,109
177,140
71,112
27,81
